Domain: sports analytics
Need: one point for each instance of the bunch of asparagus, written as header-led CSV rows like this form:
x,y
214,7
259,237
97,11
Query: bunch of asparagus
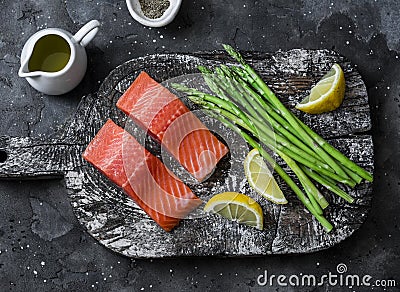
x,y
242,101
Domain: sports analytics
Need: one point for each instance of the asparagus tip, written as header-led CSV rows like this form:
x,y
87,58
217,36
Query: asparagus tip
x,y
196,99
203,69
176,85
235,54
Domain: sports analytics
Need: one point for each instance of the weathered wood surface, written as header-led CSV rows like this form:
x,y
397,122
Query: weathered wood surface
x,y
117,222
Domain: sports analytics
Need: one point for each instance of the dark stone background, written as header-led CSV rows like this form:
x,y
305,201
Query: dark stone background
x,y
43,247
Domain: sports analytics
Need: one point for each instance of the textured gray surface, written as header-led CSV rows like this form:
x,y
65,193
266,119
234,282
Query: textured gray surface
x,y
35,256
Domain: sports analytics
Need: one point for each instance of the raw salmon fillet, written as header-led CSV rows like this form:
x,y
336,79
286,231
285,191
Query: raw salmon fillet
x,y
141,175
169,121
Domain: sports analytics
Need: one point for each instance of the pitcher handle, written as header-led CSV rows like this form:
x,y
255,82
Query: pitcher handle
x,y
87,33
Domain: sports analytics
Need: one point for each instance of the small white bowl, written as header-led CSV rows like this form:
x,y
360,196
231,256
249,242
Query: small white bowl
x,y
169,14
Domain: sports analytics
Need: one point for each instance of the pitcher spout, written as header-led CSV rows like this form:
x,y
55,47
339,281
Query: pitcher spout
x,y
24,70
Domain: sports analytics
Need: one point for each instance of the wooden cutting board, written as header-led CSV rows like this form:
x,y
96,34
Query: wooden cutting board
x,y
116,221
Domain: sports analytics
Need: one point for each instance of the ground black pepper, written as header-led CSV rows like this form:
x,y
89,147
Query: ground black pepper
x,y
154,8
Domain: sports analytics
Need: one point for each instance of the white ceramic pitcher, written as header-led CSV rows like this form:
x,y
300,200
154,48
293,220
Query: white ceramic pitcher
x,y
43,50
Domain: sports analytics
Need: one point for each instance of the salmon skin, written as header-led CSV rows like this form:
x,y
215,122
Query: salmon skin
x,y
165,117
141,175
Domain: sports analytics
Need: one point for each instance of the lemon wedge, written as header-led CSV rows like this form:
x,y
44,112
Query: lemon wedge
x,y
261,179
236,207
327,95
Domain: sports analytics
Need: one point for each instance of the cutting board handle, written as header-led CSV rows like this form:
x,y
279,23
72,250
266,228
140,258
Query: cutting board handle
x,y
24,158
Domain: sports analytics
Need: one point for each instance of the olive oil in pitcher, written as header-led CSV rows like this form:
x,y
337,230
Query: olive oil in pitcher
x,y
50,54
54,61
